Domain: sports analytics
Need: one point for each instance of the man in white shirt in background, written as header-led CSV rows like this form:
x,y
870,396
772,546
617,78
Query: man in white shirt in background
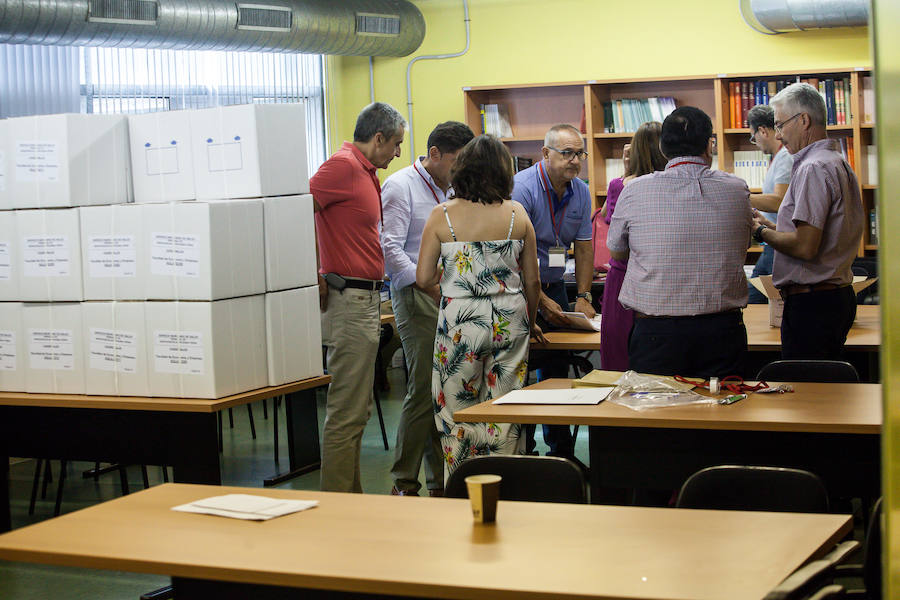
x,y
761,119
408,197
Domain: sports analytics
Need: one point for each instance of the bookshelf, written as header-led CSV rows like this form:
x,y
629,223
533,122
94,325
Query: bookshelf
x,y
534,108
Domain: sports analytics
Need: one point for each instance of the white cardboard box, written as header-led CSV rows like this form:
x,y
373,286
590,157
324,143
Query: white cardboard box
x,y
113,256
249,150
290,239
54,348
776,305
293,335
204,250
5,202
115,348
9,271
12,348
206,349
48,255
68,160
161,156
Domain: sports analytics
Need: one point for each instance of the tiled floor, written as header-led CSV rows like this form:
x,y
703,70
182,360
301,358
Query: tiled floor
x,y
245,462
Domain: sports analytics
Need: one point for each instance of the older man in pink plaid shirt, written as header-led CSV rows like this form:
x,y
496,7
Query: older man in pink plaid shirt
x,y
684,232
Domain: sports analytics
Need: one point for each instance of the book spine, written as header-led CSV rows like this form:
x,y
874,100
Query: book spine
x,y
829,102
745,102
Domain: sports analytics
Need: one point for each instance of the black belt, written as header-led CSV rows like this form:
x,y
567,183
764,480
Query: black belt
x,y
364,284
790,290
730,311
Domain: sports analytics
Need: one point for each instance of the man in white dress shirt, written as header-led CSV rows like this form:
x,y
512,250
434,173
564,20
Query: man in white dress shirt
x,y
408,197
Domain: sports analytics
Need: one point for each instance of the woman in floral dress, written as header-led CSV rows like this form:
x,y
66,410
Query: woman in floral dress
x,y
481,246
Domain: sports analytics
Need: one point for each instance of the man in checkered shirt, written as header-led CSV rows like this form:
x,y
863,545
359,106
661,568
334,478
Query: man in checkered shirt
x,y
685,233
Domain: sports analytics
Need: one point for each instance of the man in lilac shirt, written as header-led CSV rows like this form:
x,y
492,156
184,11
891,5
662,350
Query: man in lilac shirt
x,y
408,196
684,232
819,227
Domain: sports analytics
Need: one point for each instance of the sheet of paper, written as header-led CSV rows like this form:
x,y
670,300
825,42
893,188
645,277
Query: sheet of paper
x,y
580,321
571,396
246,506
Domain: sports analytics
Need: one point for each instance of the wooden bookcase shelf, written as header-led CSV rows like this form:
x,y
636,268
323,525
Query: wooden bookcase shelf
x,y
534,108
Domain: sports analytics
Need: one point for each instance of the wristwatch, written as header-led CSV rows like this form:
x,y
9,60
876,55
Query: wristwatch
x,y
586,295
757,233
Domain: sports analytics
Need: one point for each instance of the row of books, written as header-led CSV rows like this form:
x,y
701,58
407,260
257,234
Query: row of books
x,y
873,226
751,166
495,120
743,95
846,146
520,163
627,114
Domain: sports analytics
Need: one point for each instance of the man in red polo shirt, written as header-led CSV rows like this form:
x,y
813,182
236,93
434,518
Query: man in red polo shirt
x,y
347,198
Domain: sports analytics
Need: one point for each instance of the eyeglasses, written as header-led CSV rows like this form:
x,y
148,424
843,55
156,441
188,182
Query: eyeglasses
x,y
570,154
780,126
753,136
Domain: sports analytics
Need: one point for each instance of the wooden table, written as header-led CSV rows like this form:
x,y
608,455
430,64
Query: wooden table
x,y
864,336
829,428
181,432
353,545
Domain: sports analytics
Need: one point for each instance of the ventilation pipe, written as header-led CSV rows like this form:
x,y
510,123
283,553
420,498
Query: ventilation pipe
x,y
781,16
347,27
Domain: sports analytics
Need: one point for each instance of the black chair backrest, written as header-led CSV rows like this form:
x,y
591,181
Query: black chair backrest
x,y
775,489
526,478
872,560
823,371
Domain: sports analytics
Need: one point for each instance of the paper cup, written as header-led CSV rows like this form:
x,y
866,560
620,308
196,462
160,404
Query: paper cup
x,y
484,491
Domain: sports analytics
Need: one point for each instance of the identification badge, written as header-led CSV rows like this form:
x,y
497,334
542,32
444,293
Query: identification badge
x,y
556,256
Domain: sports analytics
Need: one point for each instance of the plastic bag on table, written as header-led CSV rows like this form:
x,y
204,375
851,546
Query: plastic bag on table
x,y
643,392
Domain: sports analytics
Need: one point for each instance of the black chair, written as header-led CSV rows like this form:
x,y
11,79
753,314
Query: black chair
x,y
823,371
815,579
526,478
871,567
774,489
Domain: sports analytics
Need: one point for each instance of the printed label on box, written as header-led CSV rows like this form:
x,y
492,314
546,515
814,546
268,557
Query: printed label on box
x,y
224,157
178,352
5,267
175,254
2,171
37,161
112,256
113,350
51,349
46,256
7,350
162,161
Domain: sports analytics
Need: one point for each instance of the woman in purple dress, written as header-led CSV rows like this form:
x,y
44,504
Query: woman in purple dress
x,y
615,326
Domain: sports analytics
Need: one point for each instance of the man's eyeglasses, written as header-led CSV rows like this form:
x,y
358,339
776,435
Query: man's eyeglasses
x,y
780,126
753,136
570,154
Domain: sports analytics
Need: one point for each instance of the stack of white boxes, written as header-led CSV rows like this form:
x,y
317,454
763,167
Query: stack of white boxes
x,y
50,166
179,298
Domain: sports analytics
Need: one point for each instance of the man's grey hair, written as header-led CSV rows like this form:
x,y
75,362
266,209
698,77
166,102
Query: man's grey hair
x,y
378,117
799,98
551,140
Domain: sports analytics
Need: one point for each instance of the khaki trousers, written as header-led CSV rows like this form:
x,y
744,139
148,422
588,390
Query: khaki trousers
x,y
351,328
416,316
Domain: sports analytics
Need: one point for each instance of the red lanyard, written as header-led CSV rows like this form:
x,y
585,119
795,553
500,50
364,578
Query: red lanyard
x,y
733,383
430,189
686,162
546,180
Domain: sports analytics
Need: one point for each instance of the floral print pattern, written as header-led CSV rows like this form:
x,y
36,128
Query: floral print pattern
x,y
481,345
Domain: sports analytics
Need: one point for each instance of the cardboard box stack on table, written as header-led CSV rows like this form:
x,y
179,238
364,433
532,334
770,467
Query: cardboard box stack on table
x,y
167,296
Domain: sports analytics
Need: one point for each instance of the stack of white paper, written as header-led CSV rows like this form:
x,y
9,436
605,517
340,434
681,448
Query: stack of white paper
x,y
245,506
569,396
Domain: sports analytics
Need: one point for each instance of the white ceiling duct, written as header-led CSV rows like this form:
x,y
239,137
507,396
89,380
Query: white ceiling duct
x,y
781,16
350,27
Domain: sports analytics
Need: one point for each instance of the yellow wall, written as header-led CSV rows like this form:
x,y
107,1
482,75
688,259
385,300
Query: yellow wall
x,y
531,41
887,60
